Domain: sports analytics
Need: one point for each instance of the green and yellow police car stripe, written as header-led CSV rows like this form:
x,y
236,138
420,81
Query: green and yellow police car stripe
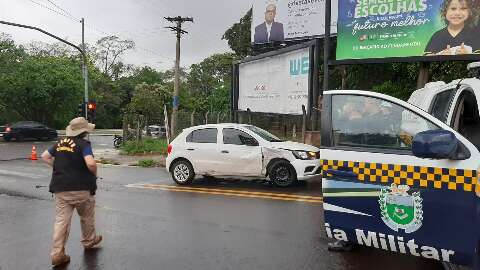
x,y
413,176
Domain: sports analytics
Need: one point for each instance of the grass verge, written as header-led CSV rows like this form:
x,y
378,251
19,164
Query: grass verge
x,y
107,161
146,146
146,163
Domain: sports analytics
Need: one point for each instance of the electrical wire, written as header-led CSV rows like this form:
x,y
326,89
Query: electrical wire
x,y
71,17
44,6
66,12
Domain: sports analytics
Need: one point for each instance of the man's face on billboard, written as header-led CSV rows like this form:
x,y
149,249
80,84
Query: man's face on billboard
x,y
270,13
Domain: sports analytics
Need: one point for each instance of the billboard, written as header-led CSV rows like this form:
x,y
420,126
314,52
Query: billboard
x,y
406,28
279,20
275,84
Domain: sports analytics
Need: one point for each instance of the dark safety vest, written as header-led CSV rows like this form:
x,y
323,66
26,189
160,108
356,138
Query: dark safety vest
x,y
70,172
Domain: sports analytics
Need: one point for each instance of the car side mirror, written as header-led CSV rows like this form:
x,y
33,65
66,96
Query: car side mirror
x,y
439,144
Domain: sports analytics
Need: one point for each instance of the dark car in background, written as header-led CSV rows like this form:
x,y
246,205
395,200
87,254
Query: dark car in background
x,y
2,131
28,130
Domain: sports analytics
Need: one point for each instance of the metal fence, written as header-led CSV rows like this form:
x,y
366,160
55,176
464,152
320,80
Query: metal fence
x,y
289,127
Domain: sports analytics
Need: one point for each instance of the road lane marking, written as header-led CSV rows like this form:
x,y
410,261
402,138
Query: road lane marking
x,y
229,192
236,191
20,174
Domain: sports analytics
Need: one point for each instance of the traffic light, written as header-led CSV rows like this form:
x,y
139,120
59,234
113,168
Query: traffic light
x,y
81,110
91,108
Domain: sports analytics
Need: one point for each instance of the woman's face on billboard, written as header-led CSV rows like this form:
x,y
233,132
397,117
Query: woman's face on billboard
x,y
457,13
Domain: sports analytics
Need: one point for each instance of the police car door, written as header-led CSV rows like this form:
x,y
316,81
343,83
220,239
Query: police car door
x,y
377,193
463,115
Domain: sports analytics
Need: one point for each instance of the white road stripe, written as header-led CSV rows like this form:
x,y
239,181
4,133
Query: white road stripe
x,y
21,174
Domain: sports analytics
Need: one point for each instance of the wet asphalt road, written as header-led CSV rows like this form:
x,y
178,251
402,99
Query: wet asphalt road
x,y
149,223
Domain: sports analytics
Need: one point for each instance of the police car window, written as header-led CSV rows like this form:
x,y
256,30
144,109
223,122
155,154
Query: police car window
x,y
374,123
206,135
237,137
441,104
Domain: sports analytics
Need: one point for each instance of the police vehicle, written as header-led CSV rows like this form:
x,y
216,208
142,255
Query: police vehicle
x,y
403,176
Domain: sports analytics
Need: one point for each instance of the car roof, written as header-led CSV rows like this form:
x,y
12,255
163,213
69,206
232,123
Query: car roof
x,y
26,123
220,125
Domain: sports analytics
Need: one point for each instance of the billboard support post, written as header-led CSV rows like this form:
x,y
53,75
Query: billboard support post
x,y
316,83
423,74
304,122
326,42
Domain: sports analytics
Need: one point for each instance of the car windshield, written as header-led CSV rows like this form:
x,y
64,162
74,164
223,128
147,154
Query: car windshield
x,y
264,134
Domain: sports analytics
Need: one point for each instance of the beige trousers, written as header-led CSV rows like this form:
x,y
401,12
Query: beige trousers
x,y
65,202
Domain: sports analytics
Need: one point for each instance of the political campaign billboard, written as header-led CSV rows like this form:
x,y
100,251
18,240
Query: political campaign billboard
x,y
280,20
275,84
407,28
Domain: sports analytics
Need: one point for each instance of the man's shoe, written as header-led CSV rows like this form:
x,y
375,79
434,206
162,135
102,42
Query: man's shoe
x,y
60,259
96,241
340,246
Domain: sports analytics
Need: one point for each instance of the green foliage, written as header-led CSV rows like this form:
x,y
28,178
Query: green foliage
x,y
209,83
145,146
448,71
41,88
239,36
148,100
108,53
147,163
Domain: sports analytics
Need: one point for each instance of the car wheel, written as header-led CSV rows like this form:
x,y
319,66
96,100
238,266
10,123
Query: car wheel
x,y
19,138
7,138
182,172
282,174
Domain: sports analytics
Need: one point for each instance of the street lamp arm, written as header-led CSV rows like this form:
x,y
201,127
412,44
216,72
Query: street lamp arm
x,y
46,33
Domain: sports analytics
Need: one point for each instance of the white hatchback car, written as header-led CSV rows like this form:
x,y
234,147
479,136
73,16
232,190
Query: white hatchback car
x,y
239,150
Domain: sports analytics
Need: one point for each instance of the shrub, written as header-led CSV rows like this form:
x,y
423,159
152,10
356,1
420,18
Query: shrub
x,y
146,146
147,163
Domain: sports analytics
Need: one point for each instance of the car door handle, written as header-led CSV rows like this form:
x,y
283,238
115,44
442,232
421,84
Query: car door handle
x,y
190,149
225,151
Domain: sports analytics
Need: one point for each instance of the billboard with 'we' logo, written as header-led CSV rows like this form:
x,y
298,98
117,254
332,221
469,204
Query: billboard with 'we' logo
x,y
275,84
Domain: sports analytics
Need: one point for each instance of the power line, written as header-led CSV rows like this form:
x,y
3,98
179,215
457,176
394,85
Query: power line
x,y
44,6
136,46
70,17
66,12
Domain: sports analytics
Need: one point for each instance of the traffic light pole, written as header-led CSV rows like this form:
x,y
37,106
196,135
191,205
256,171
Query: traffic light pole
x,y
85,68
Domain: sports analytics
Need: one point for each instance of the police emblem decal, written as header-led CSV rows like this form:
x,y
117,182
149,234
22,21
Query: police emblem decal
x,y
399,209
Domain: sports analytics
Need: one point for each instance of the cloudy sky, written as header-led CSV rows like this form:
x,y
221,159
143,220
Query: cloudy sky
x,y
139,20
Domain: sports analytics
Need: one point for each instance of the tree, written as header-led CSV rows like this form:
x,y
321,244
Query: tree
x,y
238,36
148,99
209,83
108,55
46,89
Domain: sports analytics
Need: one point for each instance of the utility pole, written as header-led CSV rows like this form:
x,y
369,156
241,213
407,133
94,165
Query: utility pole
x,y
85,68
176,90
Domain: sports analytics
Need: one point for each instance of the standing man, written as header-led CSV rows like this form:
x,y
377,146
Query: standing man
x,y
269,30
74,184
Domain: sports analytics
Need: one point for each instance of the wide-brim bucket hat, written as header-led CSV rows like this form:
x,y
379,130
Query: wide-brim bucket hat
x,y
78,126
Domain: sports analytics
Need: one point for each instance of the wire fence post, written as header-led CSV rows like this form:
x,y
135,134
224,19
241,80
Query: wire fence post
x,y
304,122
192,119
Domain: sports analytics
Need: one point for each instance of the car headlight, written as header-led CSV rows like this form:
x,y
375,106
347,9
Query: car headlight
x,y
305,155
